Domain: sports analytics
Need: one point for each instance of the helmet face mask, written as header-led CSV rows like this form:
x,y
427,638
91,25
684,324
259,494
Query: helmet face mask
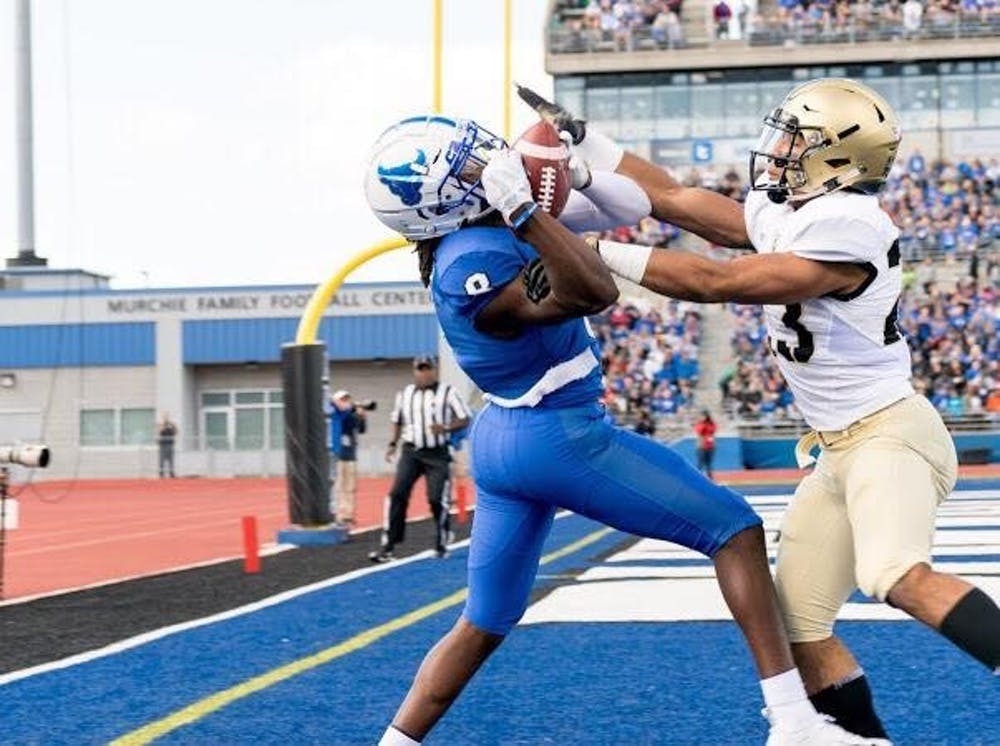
x,y
780,151
827,135
423,175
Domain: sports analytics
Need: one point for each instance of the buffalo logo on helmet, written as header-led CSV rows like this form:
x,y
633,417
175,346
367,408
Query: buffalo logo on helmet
x,y
406,179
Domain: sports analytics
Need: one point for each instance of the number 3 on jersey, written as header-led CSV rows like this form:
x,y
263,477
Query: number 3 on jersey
x,y
803,349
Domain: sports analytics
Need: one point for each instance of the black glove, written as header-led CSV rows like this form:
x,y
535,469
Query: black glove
x,y
554,114
536,282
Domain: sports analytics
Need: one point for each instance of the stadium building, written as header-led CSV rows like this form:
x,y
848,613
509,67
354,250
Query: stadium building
x,y
698,99
90,370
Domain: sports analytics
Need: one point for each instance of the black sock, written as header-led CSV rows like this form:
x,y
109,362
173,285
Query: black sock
x,y
850,704
973,624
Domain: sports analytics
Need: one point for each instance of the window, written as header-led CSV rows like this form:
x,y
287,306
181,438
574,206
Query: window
x,y
743,115
128,426
97,427
137,426
215,399
988,95
249,429
242,420
673,111
708,105
918,102
276,427
603,109
638,121
958,101
216,430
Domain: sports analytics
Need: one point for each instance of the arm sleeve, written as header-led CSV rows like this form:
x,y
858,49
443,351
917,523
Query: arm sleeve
x,y
840,239
396,418
474,279
361,424
610,200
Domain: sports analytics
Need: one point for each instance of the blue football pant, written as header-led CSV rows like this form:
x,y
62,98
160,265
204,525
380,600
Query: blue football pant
x,y
528,463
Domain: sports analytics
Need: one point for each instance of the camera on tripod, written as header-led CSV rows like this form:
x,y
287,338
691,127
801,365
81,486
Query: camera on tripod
x,y
25,454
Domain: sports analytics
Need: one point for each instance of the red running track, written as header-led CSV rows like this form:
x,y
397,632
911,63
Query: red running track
x,y
79,533
73,534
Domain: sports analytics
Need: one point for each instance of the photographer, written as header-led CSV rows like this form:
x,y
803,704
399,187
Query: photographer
x,y
347,421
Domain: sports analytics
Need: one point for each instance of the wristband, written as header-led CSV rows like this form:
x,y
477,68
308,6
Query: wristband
x,y
625,259
522,217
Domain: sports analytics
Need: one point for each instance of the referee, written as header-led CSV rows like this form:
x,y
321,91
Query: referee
x,y
424,415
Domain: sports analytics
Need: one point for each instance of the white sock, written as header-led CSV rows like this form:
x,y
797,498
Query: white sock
x,y
395,737
786,700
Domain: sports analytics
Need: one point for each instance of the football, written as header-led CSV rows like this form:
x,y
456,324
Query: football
x,y
546,159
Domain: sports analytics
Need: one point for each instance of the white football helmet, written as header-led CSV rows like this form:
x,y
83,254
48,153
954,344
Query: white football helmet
x,y
423,175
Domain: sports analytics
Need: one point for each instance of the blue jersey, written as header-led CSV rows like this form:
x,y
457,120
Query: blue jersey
x,y
555,365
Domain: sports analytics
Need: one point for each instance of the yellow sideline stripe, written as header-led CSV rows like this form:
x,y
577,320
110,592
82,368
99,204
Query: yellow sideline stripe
x,y
201,708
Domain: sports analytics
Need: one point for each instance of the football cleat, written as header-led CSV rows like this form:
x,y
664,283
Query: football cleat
x,y
554,114
823,731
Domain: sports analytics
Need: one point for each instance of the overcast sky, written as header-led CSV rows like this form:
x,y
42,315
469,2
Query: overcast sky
x,y
223,142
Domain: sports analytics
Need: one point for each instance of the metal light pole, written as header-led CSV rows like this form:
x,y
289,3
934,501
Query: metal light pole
x,y
26,256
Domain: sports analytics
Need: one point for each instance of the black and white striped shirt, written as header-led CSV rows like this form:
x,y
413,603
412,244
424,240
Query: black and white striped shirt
x,y
417,410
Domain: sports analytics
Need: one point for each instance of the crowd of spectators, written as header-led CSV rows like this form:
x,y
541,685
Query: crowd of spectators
x,y
846,20
620,24
954,345
650,361
625,25
947,207
752,387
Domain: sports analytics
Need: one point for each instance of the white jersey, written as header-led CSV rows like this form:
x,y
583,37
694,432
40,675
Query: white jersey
x,y
842,356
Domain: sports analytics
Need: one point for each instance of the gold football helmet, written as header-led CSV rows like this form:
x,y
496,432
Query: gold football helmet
x,y
827,134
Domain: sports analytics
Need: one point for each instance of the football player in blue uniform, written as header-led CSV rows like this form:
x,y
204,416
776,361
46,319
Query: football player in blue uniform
x,y
543,443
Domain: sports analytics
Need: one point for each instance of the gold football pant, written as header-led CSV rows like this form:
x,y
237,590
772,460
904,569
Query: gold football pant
x,y
865,516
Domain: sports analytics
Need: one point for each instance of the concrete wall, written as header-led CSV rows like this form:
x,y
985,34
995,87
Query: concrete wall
x,y
56,396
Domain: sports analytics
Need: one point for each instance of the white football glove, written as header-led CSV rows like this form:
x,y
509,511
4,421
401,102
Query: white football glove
x,y
506,182
579,171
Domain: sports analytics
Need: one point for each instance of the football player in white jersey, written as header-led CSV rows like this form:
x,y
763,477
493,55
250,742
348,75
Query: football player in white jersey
x,y
826,271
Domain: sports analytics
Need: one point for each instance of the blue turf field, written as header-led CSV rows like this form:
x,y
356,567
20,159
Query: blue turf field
x,y
630,651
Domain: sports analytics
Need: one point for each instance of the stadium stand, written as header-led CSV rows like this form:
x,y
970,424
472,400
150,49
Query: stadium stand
x,y
641,25
826,21
944,207
953,338
650,360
